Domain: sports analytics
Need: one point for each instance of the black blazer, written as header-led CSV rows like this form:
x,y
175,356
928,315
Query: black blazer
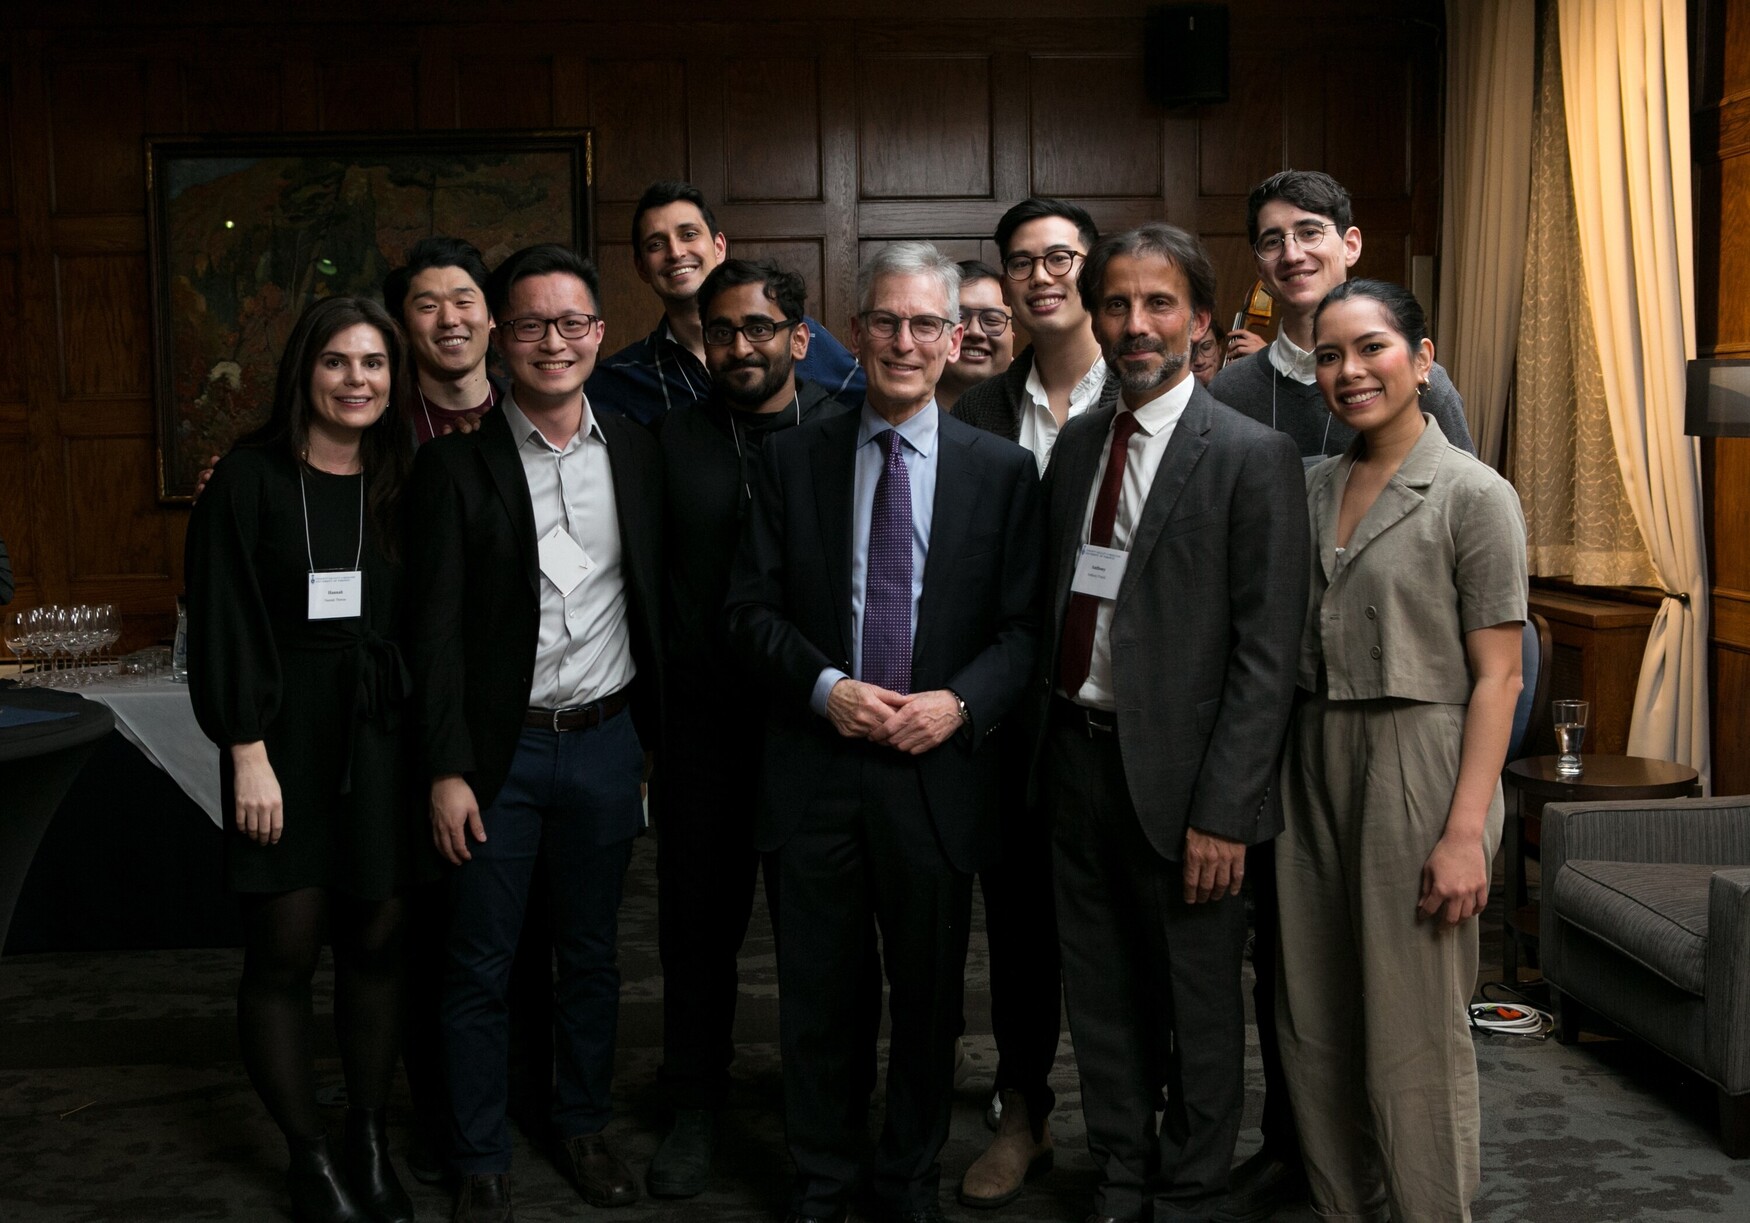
x,y
473,591
790,616
1206,631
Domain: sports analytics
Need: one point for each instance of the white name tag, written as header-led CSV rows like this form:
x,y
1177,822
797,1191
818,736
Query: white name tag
x,y
563,561
1098,571
337,594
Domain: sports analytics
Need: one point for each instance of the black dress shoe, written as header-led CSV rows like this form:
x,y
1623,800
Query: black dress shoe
x,y
369,1173
601,1177
682,1164
319,1193
1261,1186
483,1199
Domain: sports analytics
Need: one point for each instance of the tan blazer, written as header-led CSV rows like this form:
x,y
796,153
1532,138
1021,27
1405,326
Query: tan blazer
x,y
1441,552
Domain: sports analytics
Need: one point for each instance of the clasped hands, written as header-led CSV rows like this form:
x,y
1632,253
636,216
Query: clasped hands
x,y
914,723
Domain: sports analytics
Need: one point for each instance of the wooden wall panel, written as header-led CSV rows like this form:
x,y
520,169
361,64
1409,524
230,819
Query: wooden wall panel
x,y
97,116
105,338
639,110
818,138
505,91
1095,133
925,126
771,129
11,355
102,472
357,95
224,95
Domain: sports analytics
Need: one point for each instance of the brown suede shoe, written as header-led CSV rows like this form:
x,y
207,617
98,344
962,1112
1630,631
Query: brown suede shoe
x,y
997,1177
601,1177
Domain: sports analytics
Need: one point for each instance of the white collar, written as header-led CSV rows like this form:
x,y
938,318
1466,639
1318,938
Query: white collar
x,y
1291,360
1083,395
523,429
1166,408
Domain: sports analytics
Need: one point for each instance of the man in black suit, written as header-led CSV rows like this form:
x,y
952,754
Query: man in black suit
x,y
535,573
1175,580
885,594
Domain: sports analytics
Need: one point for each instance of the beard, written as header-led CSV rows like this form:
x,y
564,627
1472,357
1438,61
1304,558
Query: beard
x,y
751,394
1141,381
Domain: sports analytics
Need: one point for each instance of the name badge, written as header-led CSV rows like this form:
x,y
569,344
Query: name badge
x,y
337,594
1098,571
564,561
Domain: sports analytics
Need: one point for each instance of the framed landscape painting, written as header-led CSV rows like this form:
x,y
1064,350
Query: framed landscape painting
x,y
245,231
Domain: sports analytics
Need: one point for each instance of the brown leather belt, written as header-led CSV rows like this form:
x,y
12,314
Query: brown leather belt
x,y
577,717
1090,722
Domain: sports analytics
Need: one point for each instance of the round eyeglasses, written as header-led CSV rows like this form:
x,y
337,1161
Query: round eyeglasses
x,y
1058,263
1307,236
991,321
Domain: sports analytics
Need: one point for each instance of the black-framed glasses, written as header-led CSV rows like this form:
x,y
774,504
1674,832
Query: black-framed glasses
x,y
721,335
569,326
925,328
1307,236
1058,263
991,321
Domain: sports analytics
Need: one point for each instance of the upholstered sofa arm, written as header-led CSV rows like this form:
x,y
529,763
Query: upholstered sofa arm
x,y
1710,831
1728,977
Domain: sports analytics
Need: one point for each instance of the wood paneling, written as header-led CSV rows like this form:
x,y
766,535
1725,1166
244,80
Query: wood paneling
x,y
1094,130
97,116
639,110
105,347
104,474
771,129
1721,150
925,125
817,138
367,94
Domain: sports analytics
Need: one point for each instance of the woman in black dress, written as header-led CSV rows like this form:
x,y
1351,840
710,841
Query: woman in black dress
x,y
292,584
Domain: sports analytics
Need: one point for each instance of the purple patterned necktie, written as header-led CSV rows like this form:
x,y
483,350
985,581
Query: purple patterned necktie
x,y
887,584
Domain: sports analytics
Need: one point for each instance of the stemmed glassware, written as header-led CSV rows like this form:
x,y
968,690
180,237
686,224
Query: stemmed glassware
x,y
52,632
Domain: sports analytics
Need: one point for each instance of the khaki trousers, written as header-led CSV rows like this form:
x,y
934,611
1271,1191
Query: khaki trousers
x,y
1371,1006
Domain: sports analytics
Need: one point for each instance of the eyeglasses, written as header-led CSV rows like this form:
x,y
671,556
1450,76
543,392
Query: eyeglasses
x,y
925,328
570,326
1058,262
1306,235
992,322
721,335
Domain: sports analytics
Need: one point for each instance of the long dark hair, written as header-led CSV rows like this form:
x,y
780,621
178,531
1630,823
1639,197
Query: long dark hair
x,y
387,446
1402,309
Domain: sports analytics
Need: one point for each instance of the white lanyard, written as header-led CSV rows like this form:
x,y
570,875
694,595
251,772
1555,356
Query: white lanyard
x,y
335,594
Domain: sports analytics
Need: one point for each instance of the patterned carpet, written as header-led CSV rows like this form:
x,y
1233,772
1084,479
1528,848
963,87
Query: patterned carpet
x,y
121,1099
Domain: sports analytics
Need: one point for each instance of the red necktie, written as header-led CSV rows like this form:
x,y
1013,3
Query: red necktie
x,y
1077,652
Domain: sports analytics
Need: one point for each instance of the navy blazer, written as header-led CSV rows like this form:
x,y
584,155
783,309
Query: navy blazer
x,y
473,571
790,617
1206,628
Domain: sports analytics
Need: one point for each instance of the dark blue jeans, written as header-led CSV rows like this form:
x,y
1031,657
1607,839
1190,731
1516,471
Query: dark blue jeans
x,y
570,808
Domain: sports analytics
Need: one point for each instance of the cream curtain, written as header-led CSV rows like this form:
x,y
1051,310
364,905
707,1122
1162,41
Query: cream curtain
x,y
1491,59
1625,74
1578,520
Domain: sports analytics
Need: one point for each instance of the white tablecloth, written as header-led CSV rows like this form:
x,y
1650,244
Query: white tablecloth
x,y
157,717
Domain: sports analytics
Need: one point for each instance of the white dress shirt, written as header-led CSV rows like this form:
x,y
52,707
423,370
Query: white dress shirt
x,y
1038,426
584,650
1155,421
1293,361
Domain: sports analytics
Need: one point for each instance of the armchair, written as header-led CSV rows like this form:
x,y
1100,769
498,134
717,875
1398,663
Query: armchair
x,y
1646,923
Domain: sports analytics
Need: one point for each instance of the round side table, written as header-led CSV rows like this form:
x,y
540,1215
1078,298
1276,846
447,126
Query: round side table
x,y
1601,779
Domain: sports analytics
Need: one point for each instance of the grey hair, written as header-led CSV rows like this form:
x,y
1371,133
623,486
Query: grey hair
x,y
910,259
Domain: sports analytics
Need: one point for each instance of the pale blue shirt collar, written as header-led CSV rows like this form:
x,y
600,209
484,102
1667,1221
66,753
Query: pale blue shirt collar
x,y
1293,361
521,428
919,430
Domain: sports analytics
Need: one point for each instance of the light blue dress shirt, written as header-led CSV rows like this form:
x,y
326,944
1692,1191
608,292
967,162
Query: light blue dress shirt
x,y
919,434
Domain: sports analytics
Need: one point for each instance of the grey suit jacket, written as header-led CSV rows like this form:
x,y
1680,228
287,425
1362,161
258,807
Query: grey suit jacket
x,y
1206,631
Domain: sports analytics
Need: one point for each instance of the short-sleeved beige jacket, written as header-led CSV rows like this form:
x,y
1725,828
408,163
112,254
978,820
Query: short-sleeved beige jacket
x,y
1440,553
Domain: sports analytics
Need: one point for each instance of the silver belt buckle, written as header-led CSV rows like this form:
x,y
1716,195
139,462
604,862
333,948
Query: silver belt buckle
x,y
556,713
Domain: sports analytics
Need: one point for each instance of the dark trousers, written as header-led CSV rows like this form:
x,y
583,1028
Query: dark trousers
x,y
1152,986
868,847
565,809
1280,1136
706,870
1026,983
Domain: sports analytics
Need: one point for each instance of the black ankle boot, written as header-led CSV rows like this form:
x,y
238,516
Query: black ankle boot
x,y
319,1194
368,1171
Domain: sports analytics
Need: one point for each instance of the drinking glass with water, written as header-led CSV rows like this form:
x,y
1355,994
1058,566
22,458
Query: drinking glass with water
x,y
1570,720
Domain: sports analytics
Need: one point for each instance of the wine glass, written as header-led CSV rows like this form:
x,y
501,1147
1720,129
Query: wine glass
x,y
109,628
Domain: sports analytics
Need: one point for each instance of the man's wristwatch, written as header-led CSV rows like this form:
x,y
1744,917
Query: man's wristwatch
x,y
965,714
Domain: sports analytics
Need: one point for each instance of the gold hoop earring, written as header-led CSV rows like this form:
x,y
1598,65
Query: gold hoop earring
x,y
1421,389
